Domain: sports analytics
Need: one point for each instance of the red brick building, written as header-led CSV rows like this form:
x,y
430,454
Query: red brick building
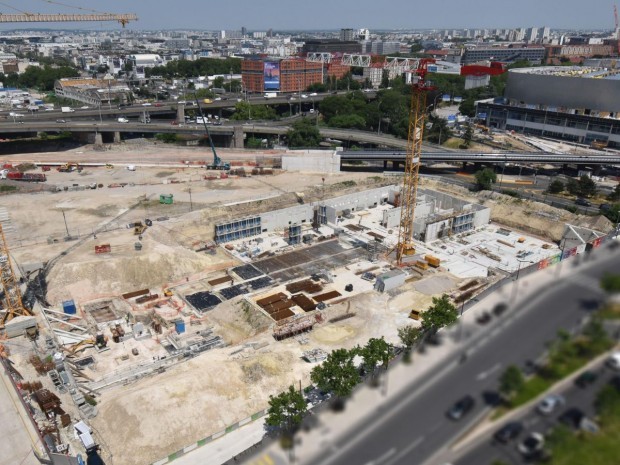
x,y
287,75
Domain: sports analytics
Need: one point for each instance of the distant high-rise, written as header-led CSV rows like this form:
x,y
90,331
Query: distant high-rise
x,y
364,34
348,35
531,34
244,31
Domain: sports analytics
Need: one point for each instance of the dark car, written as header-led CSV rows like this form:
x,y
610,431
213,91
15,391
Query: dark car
x,y
583,202
604,207
615,382
586,378
508,432
572,417
499,309
461,407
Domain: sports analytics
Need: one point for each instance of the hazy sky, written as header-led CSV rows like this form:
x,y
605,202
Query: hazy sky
x,y
333,14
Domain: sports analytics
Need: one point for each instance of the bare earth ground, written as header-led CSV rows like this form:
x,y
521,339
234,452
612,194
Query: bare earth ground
x,y
149,419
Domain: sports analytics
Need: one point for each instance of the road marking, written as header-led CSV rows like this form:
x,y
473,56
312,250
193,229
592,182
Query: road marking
x,y
385,456
406,450
485,374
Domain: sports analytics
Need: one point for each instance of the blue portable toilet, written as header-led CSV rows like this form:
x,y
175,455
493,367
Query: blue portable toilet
x,y
68,306
179,326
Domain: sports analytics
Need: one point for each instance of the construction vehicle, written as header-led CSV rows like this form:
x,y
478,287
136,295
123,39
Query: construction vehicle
x,y
217,163
69,167
138,228
167,293
417,116
109,166
598,144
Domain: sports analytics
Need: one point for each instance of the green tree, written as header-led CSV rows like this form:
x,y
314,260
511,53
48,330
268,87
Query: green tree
x,y
511,381
610,283
555,187
304,133
442,313
587,187
286,410
485,178
409,336
246,111
374,352
572,186
218,82
468,135
337,373
468,107
614,195
348,121
201,94
439,131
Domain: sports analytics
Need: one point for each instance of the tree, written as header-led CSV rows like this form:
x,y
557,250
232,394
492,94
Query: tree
x,y
246,111
555,187
286,410
439,131
337,373
587,187
375,351
468,107
511,381
610,283
468,135
303,134
485,178
442,313
409,335
218,82
572,186
614,195
348,121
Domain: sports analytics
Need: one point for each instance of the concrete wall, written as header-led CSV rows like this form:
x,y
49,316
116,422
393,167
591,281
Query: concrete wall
x,y
360,200
312,162
482,217
433,230
280,219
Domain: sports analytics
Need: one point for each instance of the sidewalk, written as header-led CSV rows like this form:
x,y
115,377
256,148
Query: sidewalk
x,y
366,401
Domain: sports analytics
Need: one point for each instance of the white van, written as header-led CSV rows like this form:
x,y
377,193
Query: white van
x,y
123,120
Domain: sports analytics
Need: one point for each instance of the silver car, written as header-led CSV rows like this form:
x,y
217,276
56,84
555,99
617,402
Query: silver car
x,y
550,403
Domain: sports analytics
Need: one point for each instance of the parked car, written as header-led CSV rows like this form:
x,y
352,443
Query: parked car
x,y
586,378
532,445
508,432
61,120
499,309
572,417
461,407
550,403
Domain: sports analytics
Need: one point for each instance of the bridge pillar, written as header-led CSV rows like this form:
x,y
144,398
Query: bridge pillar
x,y
464,166
237,138
180,113
385,164
98,139
117,137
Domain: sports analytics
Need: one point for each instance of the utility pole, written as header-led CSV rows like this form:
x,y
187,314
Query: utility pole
x,y
66,227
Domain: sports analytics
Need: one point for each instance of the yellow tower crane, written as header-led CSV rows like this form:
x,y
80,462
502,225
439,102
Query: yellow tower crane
x,y
93,15
12,301
417,117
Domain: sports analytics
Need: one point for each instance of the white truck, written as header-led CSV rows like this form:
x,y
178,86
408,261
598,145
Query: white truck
x,y
67,109
271,94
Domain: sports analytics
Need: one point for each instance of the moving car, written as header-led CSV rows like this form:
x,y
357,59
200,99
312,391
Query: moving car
x,y
461,407
532,445
61,121
583,202
613,361
123,120
550,403
572,417
508,432
586,378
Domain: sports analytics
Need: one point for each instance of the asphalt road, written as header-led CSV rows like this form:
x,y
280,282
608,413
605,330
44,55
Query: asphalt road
x,y
582,398
412,429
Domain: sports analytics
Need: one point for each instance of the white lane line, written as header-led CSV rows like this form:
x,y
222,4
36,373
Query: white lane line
x,y
385,456
406,450
485,374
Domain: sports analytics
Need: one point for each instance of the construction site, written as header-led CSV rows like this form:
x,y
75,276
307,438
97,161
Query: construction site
x,y
149,305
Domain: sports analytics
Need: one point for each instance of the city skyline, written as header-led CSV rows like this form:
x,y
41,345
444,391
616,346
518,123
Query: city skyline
x,y
287,15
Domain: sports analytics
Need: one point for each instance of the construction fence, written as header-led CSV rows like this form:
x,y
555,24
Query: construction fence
x,y
213,437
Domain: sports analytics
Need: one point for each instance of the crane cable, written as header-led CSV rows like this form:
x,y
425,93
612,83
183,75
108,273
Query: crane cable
x,y
13,8
73,6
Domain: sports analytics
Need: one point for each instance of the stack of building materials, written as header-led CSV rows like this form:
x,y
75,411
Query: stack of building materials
x,y
277,305
307,285
306,304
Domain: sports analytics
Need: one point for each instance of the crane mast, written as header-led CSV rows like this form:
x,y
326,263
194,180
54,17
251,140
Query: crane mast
x,y
12,300
417,118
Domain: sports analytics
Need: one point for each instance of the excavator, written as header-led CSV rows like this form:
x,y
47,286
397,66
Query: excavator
x,y
218,163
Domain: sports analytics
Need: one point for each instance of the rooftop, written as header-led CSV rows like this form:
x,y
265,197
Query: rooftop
x,y
572,71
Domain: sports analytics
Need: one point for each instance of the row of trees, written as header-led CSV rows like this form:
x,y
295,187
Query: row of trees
x,y
583,187
40,78
343,369
200,67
